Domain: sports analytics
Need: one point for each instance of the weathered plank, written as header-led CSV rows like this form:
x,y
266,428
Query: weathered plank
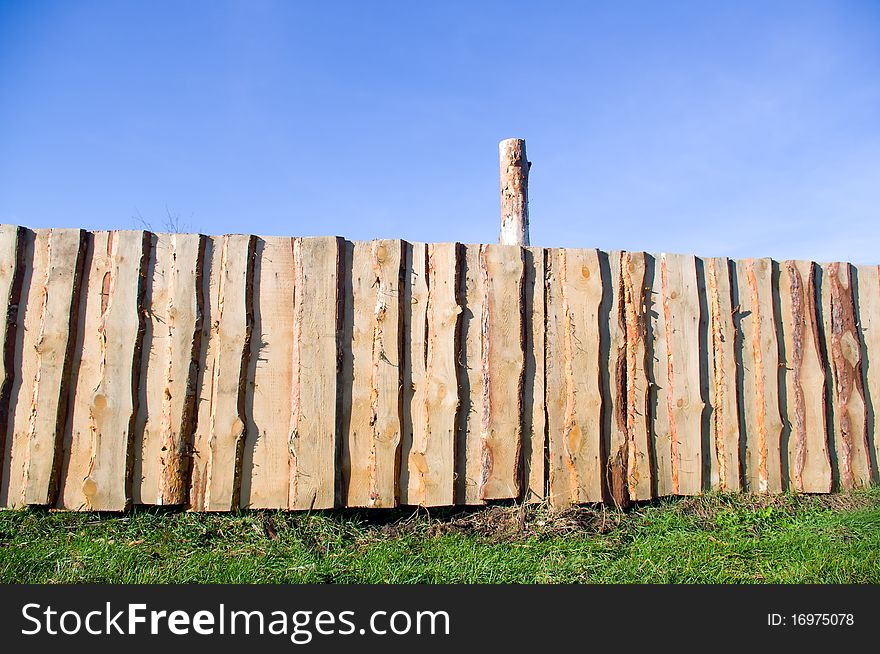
x,y
266,460
98,471
868,305
809,465
317,318
13,242
760,362
371,437
44,360
638,428
218,441
434,403
470,377
658,396
614,368
724,467
534,420
574,396
502,365
166,412
684,404
849,424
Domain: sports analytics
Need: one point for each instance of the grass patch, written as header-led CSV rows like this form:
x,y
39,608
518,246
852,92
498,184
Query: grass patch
x,y
717,538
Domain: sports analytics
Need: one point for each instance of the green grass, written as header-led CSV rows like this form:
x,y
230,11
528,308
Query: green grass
x,y
711,539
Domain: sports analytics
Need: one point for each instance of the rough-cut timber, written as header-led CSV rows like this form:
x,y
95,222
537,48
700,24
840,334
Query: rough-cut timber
x,y
434,402
574,396
317,317
13,242
638,428
658,390
266,460
684,405
502,365
614,366
760,363
166,411
514,192
45,348
468,463
534,419
809,465
372,416
218,441
869,325
850,434
725,436
98,471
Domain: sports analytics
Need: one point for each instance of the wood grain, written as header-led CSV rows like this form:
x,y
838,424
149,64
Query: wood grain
x,y
534,419
868,306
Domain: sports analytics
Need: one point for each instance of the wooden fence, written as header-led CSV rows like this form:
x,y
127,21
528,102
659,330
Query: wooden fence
x,y
232,371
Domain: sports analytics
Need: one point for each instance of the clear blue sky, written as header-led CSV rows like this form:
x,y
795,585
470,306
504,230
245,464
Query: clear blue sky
x,y
718,128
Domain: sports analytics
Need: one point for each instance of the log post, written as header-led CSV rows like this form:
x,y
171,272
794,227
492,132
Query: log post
x,y
514,192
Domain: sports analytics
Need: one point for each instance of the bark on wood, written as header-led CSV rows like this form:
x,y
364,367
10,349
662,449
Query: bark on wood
x,y
574,398
844,350
514,192
724,467
868,303
218,441
13,242
106,396
502,364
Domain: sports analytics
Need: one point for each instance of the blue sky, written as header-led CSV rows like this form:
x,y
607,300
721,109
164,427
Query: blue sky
x,y
718,128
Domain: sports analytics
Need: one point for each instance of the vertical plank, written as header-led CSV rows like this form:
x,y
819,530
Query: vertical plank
x,y
470,378
502,365
46,348
724,468
534,425
265,462
614,366
317,318
638,432
659,398
431,459
868,304
809,464
13,241
373,427
844,354
684,404
574,397
760,362
106,394
218,441
168,385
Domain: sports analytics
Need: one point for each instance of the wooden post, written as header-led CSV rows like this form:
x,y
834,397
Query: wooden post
x,y
514,192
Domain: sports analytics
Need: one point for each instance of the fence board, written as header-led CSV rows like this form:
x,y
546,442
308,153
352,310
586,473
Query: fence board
x,y
265,462
614,366
868,304
684,404
105,400
809,464
849,424
502,365
638,429
574,394
45,351
434,402
218,441
724,468
12,251
372,424
760,365
470,378
658,400
317,318
168,385
534,421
